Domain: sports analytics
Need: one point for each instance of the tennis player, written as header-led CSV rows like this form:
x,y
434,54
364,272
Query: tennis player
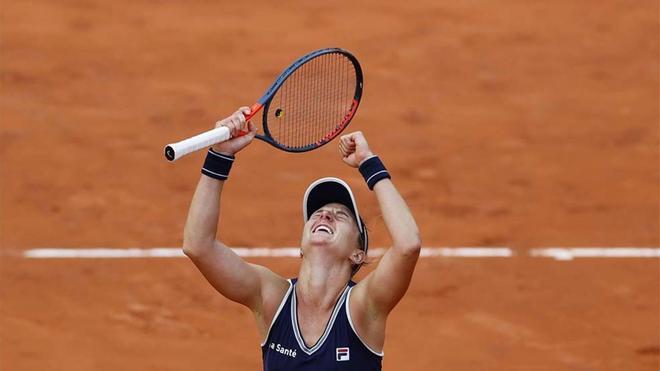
x,y
321,320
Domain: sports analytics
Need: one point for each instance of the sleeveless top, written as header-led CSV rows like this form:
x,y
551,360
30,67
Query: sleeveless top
x,y
339,348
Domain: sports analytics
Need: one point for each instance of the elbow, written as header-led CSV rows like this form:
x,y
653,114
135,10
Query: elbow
x,y
197,237
195,247
410,246
189,250
414,248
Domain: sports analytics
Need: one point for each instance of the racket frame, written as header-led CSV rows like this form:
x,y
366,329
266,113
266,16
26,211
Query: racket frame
x,y
266,99
172,151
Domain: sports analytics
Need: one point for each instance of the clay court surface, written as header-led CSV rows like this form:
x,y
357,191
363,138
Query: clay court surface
x,y
518,124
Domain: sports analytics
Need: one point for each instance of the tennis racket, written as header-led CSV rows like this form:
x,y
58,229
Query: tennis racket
x,y
307,106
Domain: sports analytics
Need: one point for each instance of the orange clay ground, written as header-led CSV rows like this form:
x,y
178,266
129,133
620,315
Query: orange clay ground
x,y
520,124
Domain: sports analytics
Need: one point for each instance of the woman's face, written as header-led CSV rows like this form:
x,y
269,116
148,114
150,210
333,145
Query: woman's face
x,y
334,227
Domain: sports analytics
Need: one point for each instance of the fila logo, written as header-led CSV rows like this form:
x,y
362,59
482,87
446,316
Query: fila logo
x,y
343,354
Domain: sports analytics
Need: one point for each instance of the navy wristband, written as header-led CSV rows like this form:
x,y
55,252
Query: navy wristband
x,y
373,171
217,165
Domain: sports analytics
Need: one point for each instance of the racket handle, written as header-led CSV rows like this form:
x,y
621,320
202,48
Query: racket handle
x,y
175,151
253,111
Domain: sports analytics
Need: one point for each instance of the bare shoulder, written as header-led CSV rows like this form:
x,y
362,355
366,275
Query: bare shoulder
x,y
273,286
367,321
273,289
360,300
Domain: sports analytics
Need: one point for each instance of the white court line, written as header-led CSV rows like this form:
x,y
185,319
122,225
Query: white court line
x,y
468,252
107,253
558,253
246,252
563,253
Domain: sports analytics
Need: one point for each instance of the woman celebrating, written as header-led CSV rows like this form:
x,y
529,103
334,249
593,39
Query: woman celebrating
x,y
321,320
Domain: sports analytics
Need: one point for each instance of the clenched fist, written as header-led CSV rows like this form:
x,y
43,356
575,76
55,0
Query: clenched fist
x,y
354,148
242,132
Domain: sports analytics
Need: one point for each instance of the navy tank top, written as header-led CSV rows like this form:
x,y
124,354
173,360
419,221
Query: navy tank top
x,y
339,348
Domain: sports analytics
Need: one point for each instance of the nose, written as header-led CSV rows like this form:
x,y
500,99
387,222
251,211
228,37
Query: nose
x,y
325,214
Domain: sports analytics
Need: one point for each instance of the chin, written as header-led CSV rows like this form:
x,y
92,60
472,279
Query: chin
x,y
322,241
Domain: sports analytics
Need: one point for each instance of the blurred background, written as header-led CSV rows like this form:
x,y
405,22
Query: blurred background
x,y
510,123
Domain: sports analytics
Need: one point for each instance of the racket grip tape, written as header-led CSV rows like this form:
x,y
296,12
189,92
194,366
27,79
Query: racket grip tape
x,y
175,151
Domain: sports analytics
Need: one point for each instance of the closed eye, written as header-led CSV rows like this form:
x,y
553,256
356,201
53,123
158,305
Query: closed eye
x,y
339,214
342,215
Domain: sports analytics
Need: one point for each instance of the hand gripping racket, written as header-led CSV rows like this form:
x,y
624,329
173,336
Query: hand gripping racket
x,y
308,105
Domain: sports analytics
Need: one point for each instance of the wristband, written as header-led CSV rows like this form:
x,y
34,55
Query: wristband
x,y
373,171
217,165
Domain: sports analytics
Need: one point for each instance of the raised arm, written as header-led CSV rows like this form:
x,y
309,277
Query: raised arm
x,y
387,284
382,289
251,285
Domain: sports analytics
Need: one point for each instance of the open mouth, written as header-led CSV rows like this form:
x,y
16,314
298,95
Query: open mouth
x,y
323,229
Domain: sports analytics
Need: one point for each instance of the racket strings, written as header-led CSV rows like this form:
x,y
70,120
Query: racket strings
x,y
311,104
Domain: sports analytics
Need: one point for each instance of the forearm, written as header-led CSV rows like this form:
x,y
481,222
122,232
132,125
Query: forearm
x,y
202,222
398,218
